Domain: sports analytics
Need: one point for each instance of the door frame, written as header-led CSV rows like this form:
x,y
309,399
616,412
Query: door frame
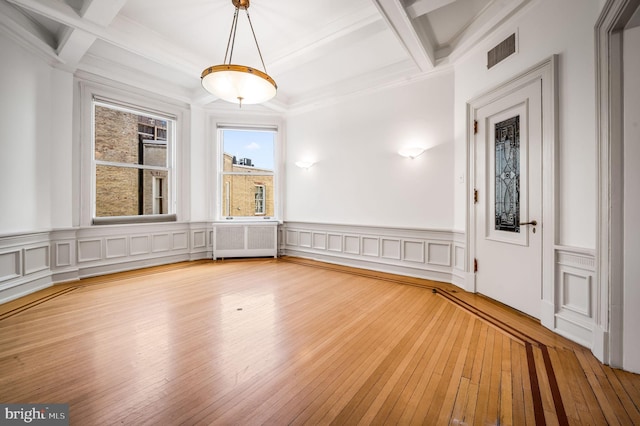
x,y
546,73
608,341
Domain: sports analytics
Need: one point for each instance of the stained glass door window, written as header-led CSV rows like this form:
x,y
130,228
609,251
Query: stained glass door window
x,y
507,174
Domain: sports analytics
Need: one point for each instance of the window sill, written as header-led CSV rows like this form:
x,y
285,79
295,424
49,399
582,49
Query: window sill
x,y
123,220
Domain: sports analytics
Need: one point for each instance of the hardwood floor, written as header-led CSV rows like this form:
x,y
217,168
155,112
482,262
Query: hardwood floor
x,y
291,341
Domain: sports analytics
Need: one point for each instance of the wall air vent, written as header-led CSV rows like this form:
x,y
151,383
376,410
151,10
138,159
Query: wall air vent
x,y
502,51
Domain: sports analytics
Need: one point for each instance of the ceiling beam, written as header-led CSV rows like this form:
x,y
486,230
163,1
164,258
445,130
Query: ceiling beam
x,y
422,7
133,40
422,53
74,43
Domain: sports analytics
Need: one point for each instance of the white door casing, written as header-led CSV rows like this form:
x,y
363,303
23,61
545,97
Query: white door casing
x,y
508,181
534,89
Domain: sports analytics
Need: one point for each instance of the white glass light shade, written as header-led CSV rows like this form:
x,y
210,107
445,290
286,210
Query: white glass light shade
x,y
239,84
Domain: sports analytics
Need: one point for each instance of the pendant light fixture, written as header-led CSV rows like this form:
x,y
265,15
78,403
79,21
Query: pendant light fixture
x,y
239,83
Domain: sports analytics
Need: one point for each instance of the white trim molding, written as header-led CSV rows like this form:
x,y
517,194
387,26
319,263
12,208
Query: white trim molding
x,y
32,261
437,255
610,161
574,312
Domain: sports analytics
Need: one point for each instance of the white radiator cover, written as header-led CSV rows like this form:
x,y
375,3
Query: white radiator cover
x,y
245,240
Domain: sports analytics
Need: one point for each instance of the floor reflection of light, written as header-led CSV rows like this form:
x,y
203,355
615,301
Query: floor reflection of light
x,y
247,335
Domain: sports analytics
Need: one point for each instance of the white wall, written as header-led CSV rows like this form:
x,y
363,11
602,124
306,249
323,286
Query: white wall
x,y
545,28
631,342
359,178
35,141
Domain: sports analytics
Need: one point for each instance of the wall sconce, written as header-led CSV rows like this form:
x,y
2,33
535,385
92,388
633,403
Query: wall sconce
x,y
411,152
305,164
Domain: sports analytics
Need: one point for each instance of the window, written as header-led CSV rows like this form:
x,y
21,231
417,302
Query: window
x,y
133,164
247,172
158,195
260,197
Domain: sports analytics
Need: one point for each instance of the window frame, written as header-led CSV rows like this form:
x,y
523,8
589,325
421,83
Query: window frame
x,y
169,168
86,90
275,174
263,200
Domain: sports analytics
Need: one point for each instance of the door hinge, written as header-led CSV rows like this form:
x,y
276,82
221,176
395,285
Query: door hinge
x,y
475,265
475,127
475,196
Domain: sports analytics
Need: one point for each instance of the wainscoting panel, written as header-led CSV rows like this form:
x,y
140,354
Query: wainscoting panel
x,y
116,247
161,242
575,298
89,250
64,255
414,252
391,248
319,240
36,259
10,265
439,254
32,261
140,244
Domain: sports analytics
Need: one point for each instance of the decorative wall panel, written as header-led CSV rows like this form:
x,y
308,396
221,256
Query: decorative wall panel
x,y
140,244
291,237
371,246
63,254
439,254
414,251
36,259
422,253
390,248
199,239
319,240
458,257
180,241
89,250
161,242
335,242
116,247
305,239
575,294
29,262
10,265
351,244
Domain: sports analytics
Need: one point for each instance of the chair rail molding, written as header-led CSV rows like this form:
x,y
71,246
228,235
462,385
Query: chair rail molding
x,y
433,254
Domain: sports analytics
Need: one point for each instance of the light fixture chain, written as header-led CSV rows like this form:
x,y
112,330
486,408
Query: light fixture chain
x,y
256,40
232,37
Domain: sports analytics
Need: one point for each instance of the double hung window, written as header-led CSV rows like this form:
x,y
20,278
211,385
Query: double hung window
x,y
132,163
247,172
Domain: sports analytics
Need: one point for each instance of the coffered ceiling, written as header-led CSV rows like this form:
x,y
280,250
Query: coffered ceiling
x,y
316,51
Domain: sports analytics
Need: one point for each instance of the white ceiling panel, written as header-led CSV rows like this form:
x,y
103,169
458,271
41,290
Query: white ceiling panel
x,y
314,50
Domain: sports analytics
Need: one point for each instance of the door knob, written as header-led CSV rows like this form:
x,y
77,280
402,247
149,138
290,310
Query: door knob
x,y
533,222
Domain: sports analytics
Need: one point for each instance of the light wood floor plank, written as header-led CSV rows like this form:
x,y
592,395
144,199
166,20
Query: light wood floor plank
x,y
292,341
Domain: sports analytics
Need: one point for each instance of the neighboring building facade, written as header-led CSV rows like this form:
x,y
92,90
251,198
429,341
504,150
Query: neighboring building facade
x,y
130,139
249,193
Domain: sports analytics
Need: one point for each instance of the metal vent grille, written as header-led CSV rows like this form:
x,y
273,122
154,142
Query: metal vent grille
x,y
261,237
230,238
502,51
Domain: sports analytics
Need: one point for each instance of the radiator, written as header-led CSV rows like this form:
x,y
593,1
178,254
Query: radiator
x,y
245,240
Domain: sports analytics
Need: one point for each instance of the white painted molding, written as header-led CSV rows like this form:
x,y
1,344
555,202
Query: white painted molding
x,y
33,261
424,253
573,312
609,238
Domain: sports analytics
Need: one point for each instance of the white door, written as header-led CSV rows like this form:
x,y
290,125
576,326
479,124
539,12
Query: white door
x,y
508,211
